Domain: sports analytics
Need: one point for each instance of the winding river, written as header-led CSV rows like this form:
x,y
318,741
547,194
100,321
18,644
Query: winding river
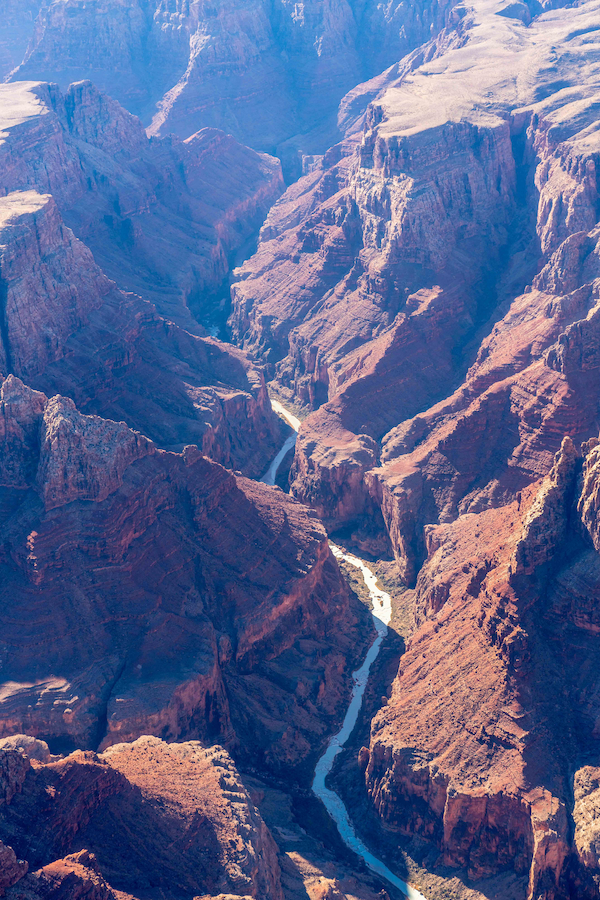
x,y
382,613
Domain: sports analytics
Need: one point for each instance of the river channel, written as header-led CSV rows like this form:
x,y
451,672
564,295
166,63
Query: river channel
x,y
382,613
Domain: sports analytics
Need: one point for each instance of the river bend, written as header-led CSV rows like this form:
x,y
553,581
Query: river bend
x,y
382,613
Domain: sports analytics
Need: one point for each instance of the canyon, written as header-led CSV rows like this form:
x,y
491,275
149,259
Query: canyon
x,y
428,295
374,223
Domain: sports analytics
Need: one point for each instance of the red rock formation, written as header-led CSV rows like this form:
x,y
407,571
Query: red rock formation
x,y
475,748
432,287
162,217
11,868
151,592
117,817
74,878
66,329
265,72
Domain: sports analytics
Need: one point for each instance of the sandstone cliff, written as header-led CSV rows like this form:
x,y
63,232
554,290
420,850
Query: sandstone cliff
x,y
91,825
153,592
430,291
271,74
65,328
162,217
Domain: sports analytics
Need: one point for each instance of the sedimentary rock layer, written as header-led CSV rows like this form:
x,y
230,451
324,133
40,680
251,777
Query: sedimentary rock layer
x,y
92,824
268,73
162,217
431,291
153,592
66,328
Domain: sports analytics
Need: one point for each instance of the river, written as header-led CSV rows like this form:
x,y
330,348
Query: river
x,y
382,613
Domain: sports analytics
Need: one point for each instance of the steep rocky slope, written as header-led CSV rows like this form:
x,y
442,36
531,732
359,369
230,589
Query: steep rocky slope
x,y
90,825
265,72
151,592
65,328
430,289
162,217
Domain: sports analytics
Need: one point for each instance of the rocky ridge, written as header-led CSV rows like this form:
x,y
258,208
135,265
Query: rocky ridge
x,y
430,290
67,329
278,69
162,217
94,825
154,592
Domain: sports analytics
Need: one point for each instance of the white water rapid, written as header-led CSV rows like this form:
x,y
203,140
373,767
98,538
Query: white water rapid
x,y
382,613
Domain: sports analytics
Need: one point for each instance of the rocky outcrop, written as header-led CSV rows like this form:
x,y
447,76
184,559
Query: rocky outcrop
x,y
109,822
430,291
545,526
375,272
586,816
162,217
77,877
11,868
65,328
272,74
154,592
472,750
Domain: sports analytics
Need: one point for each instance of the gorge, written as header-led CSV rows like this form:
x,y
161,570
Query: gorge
x,y
291,292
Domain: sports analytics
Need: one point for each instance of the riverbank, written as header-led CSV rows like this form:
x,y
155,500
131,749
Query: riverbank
x,y
381,611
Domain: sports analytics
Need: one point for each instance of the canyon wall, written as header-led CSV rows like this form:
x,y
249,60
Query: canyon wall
x,y
162,217
147,592
67,329
271,74
428,293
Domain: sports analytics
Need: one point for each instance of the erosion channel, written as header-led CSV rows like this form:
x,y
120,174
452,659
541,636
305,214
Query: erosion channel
x,y
382,613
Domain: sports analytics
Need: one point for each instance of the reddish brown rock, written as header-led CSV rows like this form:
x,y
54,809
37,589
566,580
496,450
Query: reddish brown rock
x,y
11,868
66,328
269,73
176,387
162,217
76,877
432,288
152,592
102,826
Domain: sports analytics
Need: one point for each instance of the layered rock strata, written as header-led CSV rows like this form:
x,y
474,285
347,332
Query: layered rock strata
x,y
102,826
431,290
271,74
153,592
66,328
162,217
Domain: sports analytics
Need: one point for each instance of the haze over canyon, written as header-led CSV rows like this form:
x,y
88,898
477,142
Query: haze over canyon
x,y
375,223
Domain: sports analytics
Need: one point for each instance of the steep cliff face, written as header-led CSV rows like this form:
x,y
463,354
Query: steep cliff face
x,y
437,195
372,284
231,58
101,823
495,702
65,328
431,291
268,73
162,217
152,592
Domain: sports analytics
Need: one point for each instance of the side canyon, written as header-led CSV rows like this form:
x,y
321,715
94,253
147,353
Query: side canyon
x,y
384,219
